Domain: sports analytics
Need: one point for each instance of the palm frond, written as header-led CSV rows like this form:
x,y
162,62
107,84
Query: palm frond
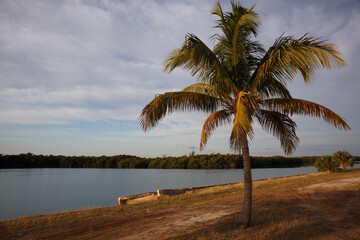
x,y
202,88
245,100
254,53
274,88
235,138
288,56
306,108
234,48
281,126
217,10
244,106
196,57
213,121
175,101
211,90
243,26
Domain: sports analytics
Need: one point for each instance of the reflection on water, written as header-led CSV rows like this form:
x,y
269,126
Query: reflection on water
x,y
34,191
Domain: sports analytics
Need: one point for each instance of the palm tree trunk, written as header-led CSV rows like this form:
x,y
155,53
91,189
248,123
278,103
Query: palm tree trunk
x,y
343,166
247,205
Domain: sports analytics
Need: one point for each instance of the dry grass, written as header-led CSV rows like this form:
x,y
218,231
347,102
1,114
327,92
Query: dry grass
x,y
271,222
277,219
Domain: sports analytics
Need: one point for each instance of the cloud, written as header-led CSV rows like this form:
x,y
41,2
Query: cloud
x,y
71,63
77,96
61,115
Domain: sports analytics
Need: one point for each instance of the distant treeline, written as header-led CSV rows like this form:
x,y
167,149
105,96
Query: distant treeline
x,y
200,161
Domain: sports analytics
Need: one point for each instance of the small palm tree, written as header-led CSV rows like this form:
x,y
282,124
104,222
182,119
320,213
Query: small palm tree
x,y
326,163
344,159
240,83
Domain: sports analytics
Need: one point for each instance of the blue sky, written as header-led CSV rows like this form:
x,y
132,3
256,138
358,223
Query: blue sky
x,y
75,75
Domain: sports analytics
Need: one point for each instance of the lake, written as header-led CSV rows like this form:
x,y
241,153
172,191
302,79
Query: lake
x,y
35,191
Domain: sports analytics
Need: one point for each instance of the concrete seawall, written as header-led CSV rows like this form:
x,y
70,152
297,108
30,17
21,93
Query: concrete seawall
x,y
149,196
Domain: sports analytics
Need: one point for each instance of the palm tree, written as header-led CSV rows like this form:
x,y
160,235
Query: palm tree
x,y
343,158
326,163
239,82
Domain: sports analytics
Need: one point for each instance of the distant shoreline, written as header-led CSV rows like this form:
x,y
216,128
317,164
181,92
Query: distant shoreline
x,y
192,161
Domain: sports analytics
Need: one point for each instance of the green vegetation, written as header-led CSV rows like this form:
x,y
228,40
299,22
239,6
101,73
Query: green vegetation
x,y
239,82
201,161
330,164
344,159
326,163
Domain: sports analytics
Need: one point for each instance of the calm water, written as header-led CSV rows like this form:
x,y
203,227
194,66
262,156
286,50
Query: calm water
x,y
27,192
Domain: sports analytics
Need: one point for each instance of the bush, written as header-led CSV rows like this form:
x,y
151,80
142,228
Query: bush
x,y
326,163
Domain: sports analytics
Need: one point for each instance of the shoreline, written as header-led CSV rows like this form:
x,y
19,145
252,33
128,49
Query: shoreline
x,y
102,187
140,198
200,212
172,192
152,196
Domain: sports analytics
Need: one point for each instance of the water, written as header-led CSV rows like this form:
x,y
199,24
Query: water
x,y
35,191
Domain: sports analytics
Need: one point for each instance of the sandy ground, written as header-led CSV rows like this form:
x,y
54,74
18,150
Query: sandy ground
x,y
329,201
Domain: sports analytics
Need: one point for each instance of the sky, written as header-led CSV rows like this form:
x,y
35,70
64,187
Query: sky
x,y
75,75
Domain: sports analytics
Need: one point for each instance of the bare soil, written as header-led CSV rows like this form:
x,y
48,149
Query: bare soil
x,y
322,206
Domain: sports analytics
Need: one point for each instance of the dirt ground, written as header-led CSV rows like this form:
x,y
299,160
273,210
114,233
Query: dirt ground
x,y
333,202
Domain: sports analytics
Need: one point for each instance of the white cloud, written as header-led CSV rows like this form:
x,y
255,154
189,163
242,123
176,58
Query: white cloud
x,y
64,115
78,95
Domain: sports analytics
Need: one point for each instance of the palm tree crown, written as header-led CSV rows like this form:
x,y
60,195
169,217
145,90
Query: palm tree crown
x,y
238,82
344,159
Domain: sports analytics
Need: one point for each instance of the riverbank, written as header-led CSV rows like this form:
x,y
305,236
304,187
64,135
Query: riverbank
x,y
312,206
192,161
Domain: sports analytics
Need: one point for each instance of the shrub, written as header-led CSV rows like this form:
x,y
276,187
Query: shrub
x,y
326,163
